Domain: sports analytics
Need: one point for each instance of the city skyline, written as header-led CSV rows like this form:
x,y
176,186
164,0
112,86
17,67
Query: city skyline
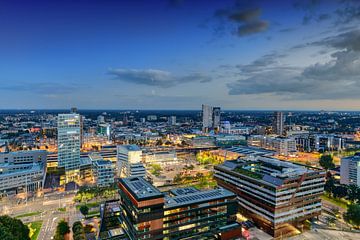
x,y
179,54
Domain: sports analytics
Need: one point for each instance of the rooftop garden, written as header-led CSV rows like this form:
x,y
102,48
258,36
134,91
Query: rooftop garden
x,y
249,173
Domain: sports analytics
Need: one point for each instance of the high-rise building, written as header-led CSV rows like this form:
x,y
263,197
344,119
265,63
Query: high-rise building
x,y
350,170
129,161
100,119
185,213
278,123
211,118
277,195
69,141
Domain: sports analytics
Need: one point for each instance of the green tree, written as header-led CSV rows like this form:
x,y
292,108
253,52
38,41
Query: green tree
x,y
353,192
13,229
61,230
326,161
78,231
339,191
352,215
329,184
84,210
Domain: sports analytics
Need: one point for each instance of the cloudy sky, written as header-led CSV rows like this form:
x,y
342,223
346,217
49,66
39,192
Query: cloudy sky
x,y
178,54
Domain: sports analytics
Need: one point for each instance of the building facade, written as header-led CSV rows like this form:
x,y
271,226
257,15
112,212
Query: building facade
x,y
129,161
187,213
350,170
69,144
22,171
277,195
210,118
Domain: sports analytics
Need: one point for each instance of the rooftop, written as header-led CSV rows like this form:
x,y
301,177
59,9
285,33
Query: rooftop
x,y
131,147
183,191
246,150
271,170
140,188
197,197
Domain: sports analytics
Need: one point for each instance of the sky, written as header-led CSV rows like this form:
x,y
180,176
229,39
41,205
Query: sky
x,y
179,54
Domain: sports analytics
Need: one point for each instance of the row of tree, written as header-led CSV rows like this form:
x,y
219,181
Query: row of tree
x,y
13,229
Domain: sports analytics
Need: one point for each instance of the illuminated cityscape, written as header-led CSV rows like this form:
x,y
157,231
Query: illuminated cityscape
x,y
180,120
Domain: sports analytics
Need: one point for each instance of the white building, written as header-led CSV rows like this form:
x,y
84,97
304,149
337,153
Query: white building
x,y
103,171
350,170
284,146
129,161
22,171
172,120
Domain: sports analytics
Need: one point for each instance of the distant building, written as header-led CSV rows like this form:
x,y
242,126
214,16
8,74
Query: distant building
x,y
276,195
172,120
284,146
211,118
162,158
69,144
129,161
101,119
278,123
186,213
350,170
22,171
151,118
104,129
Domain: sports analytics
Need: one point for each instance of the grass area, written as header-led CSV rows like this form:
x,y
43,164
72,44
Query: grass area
x,y
338,202
34,229
28,214
94,212
249,173
62,209
90,205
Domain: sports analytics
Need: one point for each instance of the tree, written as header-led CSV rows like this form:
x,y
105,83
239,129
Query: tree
x,y
353,192
329,184
326,161
78,231
13,229
352,215
61,230
84,210
339,191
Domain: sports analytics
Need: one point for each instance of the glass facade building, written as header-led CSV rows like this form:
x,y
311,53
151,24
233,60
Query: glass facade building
x,y
69,142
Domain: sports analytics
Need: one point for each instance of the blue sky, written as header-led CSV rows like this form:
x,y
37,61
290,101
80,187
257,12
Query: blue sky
x,y
178,54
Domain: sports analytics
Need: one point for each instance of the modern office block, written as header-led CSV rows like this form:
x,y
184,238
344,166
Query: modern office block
x,y
22,171
350,170
129,159
69,141
277,195
103,173
172,120
186,213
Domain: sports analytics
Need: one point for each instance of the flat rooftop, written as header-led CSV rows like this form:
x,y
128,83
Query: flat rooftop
x,y
197,197
246,150
131,147
140,188
183,191
270,170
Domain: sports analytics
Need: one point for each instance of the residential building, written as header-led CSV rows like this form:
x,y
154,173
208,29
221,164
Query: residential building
x,y
69,141
350,170
129,162
103,173
277,195
284,146
278,123
186,213
22,171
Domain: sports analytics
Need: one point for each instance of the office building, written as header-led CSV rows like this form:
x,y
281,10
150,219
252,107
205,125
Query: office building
x,y
22,171
129,161
69,141
278,123
103,170
284,146
210,118
350,170
277,195
101,119
160,157
186,213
